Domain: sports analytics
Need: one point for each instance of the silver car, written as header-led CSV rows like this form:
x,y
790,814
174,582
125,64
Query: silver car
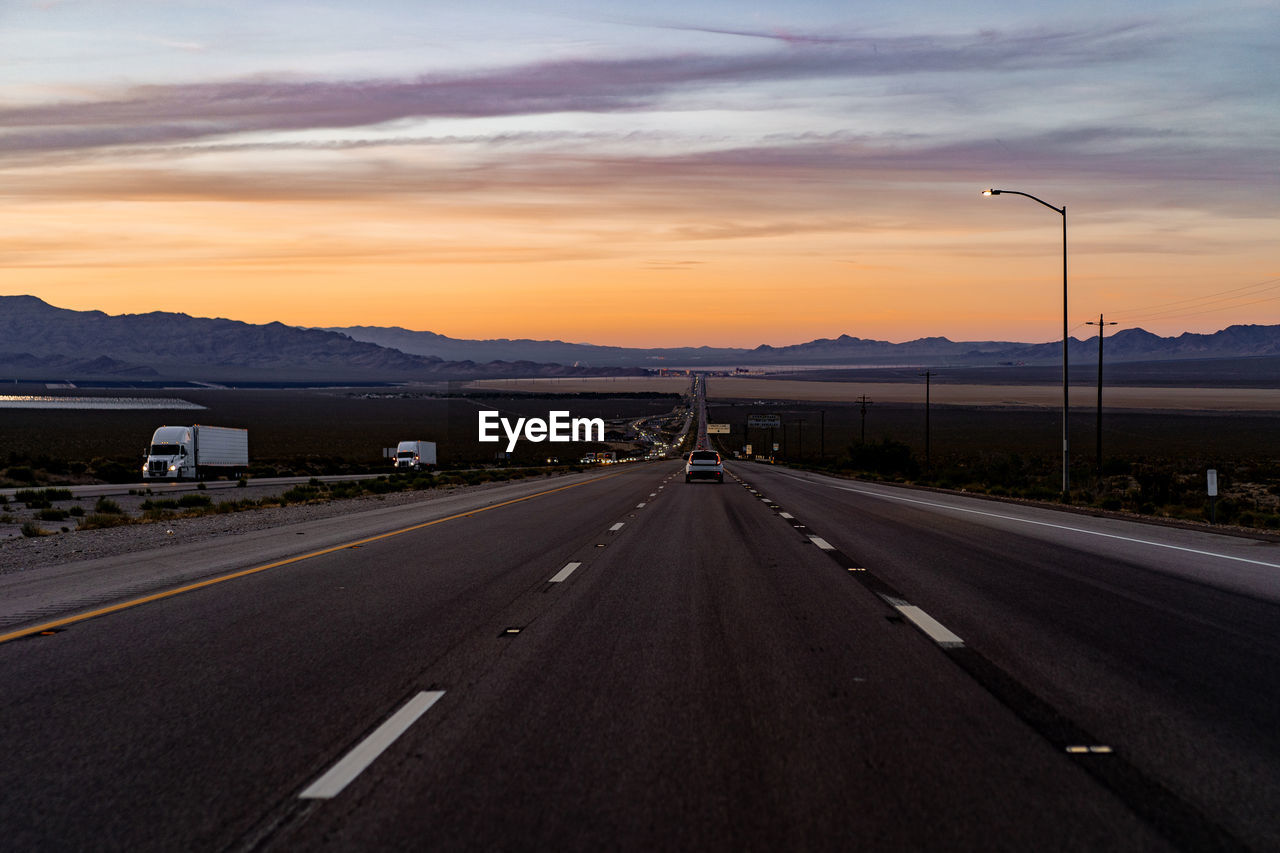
x,y
703,465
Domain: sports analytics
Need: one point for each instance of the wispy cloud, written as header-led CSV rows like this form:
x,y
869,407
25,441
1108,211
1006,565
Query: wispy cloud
x,y
800,173
160,114
778,34
176,44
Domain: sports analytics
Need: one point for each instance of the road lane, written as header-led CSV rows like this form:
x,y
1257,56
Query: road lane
x,y
57,592
1241,563
705,677
707,680
1135,632
182,723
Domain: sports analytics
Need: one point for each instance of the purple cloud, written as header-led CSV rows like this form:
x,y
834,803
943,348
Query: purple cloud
x,y
177,113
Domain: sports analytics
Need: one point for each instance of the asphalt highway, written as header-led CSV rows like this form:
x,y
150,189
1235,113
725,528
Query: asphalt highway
x,y
626,661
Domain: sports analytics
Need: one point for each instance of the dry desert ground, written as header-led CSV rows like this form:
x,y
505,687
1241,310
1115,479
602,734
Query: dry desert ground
x,y
752,388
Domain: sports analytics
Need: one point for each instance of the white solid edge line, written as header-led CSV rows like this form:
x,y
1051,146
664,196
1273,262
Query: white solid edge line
x,y
354,762
1040,523
786,515
565,572
935,629
822,543
617,527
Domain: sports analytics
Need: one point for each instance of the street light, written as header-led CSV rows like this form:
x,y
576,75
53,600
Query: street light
x,y
1066,472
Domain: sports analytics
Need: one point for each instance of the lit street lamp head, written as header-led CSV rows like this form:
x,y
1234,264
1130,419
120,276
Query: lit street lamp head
x,y
991,192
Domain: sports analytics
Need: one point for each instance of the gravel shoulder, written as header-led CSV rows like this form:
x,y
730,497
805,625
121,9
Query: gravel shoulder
x,y
22,554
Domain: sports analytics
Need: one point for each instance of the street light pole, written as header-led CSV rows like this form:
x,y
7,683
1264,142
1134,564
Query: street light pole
x,y
1066,441
1098,442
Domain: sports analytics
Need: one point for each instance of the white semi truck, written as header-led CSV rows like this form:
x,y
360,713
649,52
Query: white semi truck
x,y
196,452
416,455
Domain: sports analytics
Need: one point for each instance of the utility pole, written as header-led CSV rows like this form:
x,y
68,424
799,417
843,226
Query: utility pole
x,y
926,375
863,403
1098,440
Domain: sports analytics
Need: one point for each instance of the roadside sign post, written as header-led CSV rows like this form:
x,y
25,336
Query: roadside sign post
x,y
1213,496
769,422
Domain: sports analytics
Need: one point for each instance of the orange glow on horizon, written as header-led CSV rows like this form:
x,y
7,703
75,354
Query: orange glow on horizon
x,y
473,273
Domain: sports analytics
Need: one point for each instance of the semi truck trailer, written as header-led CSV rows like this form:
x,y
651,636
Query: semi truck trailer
x,y
196,452
416,455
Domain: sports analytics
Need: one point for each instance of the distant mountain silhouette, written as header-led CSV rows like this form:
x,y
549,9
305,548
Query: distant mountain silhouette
x,y
39,339
523,349
1124,345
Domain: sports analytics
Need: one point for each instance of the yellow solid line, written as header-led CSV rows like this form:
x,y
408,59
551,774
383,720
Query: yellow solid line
x,y
147,599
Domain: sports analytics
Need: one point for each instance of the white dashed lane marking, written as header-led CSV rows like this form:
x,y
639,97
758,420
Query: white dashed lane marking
x,y
565,572
934,629
354,762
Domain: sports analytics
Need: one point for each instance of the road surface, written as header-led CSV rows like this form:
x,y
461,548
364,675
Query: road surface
x,y
621,660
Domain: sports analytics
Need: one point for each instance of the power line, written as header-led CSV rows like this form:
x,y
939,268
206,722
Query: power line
x,y
1162,308
1196,313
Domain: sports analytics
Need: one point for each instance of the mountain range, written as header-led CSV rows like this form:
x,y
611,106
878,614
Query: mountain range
x,y
40,341
1124,345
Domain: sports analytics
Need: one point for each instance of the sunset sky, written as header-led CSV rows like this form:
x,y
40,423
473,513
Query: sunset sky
x,y
727,173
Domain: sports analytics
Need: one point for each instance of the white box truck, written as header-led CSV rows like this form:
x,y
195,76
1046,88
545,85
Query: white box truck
x,y
416,455
196,452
